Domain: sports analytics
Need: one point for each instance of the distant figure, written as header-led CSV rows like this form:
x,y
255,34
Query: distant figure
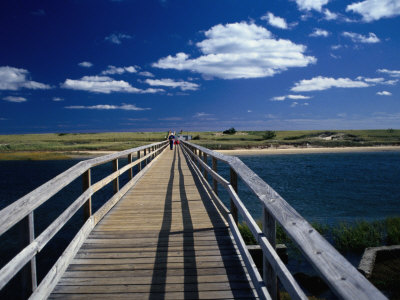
x,y
171,141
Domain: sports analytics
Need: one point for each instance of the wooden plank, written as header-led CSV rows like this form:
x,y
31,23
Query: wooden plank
x,y
16,211
166,234
344,280
153,288
228,294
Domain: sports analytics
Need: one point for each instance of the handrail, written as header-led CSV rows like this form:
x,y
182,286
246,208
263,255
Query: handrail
x,y
26,205
343,279
19,209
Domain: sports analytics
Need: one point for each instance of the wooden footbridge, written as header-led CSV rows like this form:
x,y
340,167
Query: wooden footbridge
x,y
167,235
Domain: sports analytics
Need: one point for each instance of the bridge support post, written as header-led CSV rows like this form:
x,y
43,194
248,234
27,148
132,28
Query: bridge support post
x,y
116,180
269,275
234,210
144,154
215,169
205,174
140,164
130,172
87,207
28,272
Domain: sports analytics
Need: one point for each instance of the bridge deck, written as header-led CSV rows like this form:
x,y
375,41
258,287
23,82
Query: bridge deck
x,y
163,240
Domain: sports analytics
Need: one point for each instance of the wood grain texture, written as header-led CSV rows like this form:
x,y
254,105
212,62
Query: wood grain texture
x,y
344,280
19,209
164,239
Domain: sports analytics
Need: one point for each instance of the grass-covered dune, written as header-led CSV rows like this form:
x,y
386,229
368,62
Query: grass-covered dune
x,y
313,138
33,145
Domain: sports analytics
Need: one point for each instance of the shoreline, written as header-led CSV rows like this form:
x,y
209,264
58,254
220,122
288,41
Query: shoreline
x,y
65,155
296,150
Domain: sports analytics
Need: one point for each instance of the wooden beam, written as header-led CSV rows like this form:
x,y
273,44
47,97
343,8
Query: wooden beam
x,y
130,174
116,180
269,275
139,165
234,183
215,169
86,182
205,170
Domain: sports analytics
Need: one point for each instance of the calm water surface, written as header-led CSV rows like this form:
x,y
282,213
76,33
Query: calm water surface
x,y
328,188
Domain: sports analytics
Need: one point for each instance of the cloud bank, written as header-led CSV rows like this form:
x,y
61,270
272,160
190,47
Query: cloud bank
x,y
323,83
108,107
358,38
240,50
15,99
104,84
373,10
111,70
14,79
183,85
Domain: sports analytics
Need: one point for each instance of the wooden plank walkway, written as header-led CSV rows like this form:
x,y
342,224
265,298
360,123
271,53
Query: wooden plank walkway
x,y
164,240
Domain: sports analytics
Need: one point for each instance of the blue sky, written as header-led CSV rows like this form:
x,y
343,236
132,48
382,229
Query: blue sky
x,y
153,65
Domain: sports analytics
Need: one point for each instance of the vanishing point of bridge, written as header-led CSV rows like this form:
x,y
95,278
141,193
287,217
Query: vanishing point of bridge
x,y
167,235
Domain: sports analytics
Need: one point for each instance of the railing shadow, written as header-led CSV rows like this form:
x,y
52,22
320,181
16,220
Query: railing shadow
x,y
158,281
189,255
233,267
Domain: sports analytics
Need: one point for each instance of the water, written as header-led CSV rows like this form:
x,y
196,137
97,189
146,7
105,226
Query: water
x,y
328,188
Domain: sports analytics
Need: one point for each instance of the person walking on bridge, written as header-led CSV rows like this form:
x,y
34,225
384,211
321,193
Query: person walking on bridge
x,y
171,141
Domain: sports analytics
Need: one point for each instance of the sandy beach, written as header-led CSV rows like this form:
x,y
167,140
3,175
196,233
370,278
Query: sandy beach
x,y
294,150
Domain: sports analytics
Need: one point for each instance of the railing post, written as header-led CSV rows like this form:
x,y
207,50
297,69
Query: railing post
x,y
87,207
269,276
116,180
140,164
130,172
144,154
205,170
28,272
234,183
215,169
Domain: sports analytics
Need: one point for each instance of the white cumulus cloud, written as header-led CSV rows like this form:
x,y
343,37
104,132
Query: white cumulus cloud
x,y
183,85
103,84
319,33
85,64
293,97
111,70
275,21
384,93
240,50
15,99
311,4
392,73
330,15
323,83
358,38
372,10
13,79
123,106
116,38
146,74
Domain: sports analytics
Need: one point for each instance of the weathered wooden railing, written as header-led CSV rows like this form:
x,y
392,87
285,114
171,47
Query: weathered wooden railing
x,y
22,212
343,279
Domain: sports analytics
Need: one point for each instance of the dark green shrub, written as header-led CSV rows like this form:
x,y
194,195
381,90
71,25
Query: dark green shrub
x,y
197,137
393,231
246,234
230,131
269,135
357,237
